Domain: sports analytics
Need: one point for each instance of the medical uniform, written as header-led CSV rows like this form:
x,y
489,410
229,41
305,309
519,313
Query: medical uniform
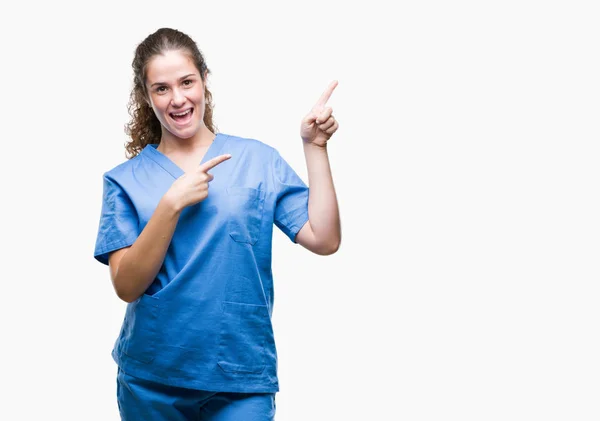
x,y
205,321
143,400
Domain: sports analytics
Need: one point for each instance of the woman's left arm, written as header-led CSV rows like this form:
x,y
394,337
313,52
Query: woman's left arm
x,y
322,233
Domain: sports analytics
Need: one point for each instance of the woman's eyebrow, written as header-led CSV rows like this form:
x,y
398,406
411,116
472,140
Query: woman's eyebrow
x,y
180,79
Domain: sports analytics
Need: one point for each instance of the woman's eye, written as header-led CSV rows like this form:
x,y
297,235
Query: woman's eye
x,y
161,89
188,82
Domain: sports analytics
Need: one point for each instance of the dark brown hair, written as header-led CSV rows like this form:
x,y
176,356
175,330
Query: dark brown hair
x,y
144,128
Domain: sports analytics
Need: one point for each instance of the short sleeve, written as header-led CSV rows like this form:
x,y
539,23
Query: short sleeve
x,y
291,208
118,226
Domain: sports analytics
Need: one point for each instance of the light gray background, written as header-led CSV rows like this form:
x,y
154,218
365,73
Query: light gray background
x,y
466,166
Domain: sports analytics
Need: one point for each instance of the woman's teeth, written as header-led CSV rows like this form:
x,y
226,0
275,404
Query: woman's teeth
x,y
182,116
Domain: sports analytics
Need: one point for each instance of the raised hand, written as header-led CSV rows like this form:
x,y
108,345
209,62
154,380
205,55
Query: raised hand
x,y
192,187
319,125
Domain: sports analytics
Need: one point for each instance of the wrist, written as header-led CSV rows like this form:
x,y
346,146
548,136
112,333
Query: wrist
x,y
171,202
313,146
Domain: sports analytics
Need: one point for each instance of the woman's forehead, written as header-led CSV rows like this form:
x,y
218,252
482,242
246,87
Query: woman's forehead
x,y
171,65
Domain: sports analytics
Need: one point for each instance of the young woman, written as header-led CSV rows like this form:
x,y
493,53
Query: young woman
x,y
186,229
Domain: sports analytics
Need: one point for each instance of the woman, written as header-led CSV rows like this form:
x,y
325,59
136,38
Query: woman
x,y
193,261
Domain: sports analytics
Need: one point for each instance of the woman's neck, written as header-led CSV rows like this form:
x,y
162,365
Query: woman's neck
x,y
169,143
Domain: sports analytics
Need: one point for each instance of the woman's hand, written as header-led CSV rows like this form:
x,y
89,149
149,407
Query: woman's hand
x,y
192,187
319,125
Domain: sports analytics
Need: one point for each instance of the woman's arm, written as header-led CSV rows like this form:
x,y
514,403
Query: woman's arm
x,y
133,269
322,233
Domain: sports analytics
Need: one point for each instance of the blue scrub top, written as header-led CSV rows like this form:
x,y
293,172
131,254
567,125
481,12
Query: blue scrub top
x,y
205,321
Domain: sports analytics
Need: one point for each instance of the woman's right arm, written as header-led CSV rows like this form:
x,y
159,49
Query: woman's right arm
x,y
134,268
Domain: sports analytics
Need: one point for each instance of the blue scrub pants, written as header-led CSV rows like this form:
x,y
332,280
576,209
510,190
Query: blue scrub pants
x,y
149,401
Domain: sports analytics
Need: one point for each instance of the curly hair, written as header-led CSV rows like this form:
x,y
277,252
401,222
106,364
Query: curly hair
x,y
144,128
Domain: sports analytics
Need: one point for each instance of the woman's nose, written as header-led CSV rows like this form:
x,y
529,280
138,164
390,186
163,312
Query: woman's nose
x,y
178,98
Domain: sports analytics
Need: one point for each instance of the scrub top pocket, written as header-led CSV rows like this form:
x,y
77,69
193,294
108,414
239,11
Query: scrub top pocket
x,y
245,213
138,334
243,335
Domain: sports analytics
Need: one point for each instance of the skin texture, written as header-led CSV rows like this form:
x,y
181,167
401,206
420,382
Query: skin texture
x,y
322,233
174,85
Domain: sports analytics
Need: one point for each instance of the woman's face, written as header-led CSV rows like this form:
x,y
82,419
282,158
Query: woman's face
x,y
176,93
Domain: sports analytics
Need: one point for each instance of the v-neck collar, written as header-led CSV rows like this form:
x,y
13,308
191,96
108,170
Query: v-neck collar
x,y
169,166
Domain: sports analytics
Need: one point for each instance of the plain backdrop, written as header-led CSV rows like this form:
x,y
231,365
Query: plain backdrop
x,y
466,168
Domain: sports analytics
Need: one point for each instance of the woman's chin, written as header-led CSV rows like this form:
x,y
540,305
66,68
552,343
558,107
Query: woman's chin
x,y
184,133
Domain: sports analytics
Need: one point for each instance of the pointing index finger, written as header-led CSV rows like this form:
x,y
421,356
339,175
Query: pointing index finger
x,y
211,163
325,96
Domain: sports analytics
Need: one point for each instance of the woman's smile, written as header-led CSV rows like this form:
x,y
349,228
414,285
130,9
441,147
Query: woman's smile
x,y
182,118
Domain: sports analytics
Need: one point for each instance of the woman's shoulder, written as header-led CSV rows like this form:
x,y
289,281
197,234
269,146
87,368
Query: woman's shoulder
x,y
124,168
248,143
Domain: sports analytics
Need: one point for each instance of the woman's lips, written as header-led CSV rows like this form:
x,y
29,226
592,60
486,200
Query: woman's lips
x,y
183,117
